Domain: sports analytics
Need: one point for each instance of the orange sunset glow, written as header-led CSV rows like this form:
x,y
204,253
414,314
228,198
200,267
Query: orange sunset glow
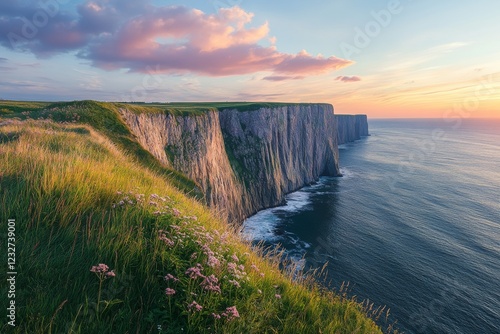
x,y
398,59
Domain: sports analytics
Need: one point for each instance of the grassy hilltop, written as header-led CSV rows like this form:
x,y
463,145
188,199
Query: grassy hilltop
x,y
83,192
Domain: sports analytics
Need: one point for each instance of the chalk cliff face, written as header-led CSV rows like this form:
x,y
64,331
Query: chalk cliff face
x,y
279,150
193,145
244,161
351,127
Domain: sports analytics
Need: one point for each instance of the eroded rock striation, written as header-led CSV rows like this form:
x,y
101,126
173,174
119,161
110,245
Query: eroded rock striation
x,y
245,161
351,127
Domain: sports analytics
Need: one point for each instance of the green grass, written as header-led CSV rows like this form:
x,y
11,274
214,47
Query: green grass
x,y
105,118
64,184
199,108
10,107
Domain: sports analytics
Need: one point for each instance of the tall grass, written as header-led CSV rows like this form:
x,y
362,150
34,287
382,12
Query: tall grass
x,y
79,200
105,118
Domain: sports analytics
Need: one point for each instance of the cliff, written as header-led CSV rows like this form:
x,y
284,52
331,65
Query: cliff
x,y
247,160
275,151
351,128
193,145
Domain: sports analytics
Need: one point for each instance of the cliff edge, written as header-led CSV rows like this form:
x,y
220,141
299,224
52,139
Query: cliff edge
x,y
247,159
351,128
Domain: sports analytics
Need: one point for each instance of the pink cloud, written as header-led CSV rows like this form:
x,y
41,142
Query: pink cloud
x,y
138,36
353,78
182,40
304,63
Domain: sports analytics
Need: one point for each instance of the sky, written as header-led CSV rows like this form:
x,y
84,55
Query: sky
x,y
383,58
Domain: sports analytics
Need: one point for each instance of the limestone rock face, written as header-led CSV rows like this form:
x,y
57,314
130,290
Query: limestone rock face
x,y
194,146
276,151
351,127
245,161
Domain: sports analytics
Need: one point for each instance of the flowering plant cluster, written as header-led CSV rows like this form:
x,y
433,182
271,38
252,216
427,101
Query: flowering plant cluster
x,y
214,269
102,271
131,198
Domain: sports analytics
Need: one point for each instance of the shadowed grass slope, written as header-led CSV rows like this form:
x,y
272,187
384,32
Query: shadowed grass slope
x,y
80,200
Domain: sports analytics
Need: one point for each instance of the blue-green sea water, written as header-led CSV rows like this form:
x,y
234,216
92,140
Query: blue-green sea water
x,y
414,224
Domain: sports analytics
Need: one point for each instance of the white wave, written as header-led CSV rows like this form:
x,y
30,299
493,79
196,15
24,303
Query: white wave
x,y
296,201
347,173
319,184
261,225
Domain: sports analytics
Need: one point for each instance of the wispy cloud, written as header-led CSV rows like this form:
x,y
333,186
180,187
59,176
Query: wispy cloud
x,y
344,78
258,96
24,84
89,80
282,77
446,48
426,56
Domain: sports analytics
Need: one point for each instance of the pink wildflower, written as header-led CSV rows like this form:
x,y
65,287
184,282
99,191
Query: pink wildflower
x,y
170,277
101,268
231,313
209,237
167,241
213,261
231,267
235,283
195,306
102,271
235,258
277,296
169,292
210,283
216,316
176,212
163,237
206,249
195,272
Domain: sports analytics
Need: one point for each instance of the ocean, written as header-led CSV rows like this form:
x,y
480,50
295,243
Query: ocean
x,y
414,224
